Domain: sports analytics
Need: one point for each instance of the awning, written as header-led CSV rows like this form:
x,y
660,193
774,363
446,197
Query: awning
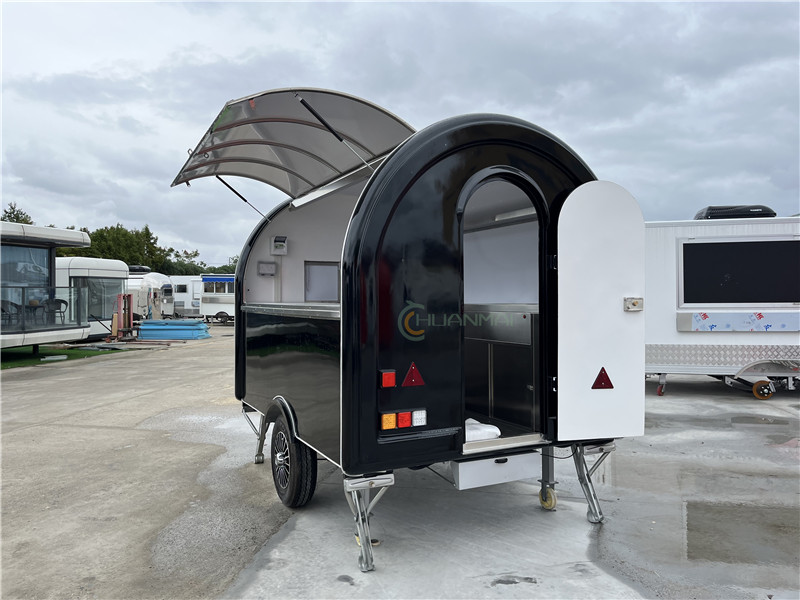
x,y
296,140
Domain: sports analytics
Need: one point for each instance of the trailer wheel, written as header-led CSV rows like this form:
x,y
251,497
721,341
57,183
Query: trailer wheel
x,y
222,317
763,390
294,466
548,499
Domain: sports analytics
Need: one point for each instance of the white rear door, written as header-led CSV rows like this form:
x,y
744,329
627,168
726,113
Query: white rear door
x,y
600,334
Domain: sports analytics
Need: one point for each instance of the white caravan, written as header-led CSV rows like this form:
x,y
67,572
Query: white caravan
x,y
723,299
103,279
217,301
186,292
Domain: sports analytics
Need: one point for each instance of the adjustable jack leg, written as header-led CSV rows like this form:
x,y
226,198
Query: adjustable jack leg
x,y
357,492
262,435
261,432
594,514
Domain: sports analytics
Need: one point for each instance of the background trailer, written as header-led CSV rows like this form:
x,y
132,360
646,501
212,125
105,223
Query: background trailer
x,y
217,300
464,297
186,292
151,292
103,279
723,299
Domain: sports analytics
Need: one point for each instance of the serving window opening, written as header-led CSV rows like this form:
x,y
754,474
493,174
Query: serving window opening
x,y
501,264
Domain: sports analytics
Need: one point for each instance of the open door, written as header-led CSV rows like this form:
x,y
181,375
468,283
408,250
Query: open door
x,y
600,314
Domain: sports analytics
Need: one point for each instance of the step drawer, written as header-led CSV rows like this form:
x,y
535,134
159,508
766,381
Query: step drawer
x,y
490,471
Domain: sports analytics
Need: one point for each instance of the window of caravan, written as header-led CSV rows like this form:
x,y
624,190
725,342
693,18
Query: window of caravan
x,y
25,266
322,282
102,292
735,272
180,288
218,287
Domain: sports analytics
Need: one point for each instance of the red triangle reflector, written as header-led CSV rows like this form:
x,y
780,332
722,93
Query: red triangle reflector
x,y
602,382
413,377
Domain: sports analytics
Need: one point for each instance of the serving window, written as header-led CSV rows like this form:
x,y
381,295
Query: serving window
x,y
754,272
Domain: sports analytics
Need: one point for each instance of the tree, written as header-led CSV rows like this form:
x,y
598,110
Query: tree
x,y
12,214
184,263
226,269
140,247
133,247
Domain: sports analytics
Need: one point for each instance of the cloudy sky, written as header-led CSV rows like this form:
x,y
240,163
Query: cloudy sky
x,y
684,104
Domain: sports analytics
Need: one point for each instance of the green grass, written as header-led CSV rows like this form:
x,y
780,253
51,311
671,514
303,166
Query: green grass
x,y
24,356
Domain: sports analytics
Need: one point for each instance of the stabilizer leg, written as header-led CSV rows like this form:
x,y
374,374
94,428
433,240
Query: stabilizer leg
x,y
260,431
594,514
262,435
357,492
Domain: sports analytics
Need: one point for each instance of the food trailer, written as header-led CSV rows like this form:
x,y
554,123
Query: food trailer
x,y
724,299
467,296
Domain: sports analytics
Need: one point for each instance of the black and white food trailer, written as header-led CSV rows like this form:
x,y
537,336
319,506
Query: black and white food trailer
x,y
466,297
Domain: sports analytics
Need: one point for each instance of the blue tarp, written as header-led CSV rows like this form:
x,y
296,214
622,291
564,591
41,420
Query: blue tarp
x,y
153,329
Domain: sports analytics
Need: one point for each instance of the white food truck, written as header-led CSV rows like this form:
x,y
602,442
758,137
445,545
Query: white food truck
x,y
723,299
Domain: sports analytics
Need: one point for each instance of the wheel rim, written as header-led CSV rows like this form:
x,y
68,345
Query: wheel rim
x,y
762,390
280,460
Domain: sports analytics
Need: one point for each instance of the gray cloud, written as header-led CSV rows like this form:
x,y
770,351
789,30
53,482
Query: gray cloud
x,y
685,104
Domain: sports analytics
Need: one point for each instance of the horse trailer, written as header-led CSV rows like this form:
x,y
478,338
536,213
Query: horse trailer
x,y
468,298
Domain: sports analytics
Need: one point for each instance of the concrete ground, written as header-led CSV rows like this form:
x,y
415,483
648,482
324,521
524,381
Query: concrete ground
x,y
131,476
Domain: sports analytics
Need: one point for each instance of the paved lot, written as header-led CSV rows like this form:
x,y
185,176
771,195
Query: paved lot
x,y
131,476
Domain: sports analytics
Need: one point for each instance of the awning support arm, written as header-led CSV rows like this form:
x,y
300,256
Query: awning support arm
x,y
227,185
327,126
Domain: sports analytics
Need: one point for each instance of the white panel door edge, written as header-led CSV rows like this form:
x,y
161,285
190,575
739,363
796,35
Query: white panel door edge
x,y
600,263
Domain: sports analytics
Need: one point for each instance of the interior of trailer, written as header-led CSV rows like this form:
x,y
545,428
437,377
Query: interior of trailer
x,y
501,318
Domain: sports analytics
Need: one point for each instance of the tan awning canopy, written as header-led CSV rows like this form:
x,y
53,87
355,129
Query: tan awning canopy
x,y
296,140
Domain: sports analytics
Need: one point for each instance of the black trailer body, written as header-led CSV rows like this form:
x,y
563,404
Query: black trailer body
x,y
467,296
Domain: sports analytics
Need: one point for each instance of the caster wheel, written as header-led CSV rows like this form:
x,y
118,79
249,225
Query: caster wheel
x,y
660,390
548,499
259,459
763,390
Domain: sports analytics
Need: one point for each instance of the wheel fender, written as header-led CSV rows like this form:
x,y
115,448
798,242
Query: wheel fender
x,y
280,406
781,367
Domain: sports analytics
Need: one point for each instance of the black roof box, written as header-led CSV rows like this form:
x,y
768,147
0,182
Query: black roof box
x,y
138,269
741,211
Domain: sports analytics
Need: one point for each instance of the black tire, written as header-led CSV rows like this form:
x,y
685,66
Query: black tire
x,y
294,466
222,317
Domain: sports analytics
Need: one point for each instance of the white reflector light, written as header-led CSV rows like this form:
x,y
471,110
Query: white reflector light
x,y
419,417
